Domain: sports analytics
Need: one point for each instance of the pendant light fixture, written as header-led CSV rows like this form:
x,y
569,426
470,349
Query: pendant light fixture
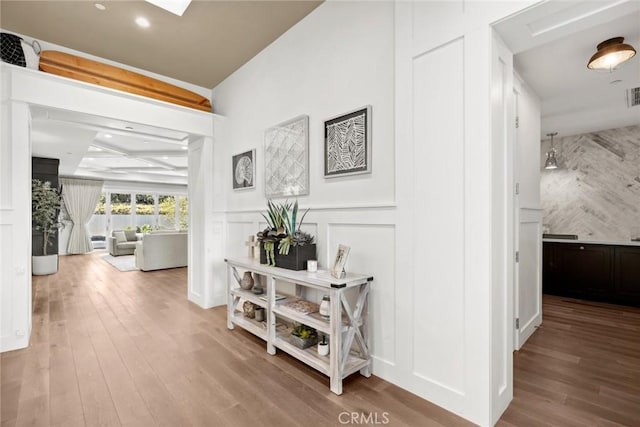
x,y
611,53
552,159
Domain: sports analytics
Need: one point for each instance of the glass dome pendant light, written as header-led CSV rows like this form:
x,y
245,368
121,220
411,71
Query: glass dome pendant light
x,y
552,159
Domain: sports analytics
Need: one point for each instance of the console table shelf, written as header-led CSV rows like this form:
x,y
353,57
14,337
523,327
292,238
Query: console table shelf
x,y
346,328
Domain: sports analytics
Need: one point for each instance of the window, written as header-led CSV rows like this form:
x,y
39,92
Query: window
x,y
121,211
145,212
167,211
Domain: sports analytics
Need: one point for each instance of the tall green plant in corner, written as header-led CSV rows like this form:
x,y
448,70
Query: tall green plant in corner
x,y
46,202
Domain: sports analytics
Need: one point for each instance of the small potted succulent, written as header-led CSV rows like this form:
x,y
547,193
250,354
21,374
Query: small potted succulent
x,y
283,243
303,336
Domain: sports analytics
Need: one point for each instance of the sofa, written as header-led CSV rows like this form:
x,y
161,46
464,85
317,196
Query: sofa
x,y
156,251
122,242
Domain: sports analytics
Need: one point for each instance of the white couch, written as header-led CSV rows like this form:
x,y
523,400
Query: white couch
x,y
157,251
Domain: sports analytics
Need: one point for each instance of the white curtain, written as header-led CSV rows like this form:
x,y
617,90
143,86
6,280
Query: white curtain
x,y
80,198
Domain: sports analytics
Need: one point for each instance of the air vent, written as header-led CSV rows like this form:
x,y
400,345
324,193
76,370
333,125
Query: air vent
x,y
633,97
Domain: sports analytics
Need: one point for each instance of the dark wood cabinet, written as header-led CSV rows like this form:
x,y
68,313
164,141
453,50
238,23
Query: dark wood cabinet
x,y
598,272
627,273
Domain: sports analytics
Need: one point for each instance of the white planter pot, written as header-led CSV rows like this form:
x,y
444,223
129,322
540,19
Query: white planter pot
x,y
43,265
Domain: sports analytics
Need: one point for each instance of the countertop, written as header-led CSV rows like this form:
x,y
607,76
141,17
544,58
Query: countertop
x,y
594,242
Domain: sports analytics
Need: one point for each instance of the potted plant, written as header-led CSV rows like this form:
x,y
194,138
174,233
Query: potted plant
x,y
303,336
45,208
283,243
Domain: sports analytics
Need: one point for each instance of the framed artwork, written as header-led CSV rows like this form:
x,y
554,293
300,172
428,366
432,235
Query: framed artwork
x,y
341,260
244,170
286,158
347,144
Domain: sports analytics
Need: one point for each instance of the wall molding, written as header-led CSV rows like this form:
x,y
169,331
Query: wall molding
x,y
355,206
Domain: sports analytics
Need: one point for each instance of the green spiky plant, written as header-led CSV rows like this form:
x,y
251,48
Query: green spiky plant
x,y
283,228
46,202
303,331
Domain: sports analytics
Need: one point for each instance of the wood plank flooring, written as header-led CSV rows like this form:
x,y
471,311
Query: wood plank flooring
x,y
128,349
581,368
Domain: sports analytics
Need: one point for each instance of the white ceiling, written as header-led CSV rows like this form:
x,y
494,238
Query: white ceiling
x,y
92,146
553,44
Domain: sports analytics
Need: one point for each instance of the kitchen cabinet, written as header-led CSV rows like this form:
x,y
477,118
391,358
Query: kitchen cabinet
x,y
592,271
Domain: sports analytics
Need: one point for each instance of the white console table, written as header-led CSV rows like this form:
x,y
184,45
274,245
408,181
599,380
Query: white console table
x,y
347,327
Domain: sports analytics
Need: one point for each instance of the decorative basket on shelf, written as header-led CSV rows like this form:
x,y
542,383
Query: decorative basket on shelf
x,y
303,336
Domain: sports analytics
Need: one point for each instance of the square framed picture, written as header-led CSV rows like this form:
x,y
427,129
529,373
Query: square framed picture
x,y
244,170
347,144
286,158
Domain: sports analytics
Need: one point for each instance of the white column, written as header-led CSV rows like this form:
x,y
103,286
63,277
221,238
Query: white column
x,y
207,286
15,227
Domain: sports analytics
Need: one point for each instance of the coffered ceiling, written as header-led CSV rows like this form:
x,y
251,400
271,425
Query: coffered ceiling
x,y
97,147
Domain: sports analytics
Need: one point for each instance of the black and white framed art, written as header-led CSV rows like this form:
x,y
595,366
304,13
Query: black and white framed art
x,y
347,144
244,170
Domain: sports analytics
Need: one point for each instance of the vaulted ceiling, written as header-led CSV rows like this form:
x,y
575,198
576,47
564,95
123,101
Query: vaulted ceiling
x,y
207,43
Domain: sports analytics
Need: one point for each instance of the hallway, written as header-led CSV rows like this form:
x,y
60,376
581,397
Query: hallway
x,y
581,368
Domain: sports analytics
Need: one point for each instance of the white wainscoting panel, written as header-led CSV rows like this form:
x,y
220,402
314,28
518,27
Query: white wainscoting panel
x,y
373,252
438,256
6,276
529,289
238,233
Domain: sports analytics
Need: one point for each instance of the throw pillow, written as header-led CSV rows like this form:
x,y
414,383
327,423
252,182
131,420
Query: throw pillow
x,y
120,236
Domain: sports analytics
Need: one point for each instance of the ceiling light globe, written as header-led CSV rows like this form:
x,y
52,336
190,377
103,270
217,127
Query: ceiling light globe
x,y
611,54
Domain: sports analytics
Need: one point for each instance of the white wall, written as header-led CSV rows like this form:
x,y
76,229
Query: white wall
x,y
337,59
421,223
455,211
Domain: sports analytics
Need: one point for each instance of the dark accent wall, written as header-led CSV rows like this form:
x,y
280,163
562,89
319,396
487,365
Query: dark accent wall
x,y
45,170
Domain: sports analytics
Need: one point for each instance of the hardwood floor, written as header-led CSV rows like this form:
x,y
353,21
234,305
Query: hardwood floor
x,y
581,368
111,348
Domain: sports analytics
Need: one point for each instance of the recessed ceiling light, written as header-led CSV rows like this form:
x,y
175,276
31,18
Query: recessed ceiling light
x,y
184,147
106,135
100,6
97,148
165,157
142,22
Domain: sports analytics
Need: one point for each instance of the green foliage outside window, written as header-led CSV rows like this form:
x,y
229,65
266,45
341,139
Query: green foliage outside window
x,y
121,205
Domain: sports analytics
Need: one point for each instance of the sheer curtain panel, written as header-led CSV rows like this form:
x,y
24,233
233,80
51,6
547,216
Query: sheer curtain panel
x,y
80,198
